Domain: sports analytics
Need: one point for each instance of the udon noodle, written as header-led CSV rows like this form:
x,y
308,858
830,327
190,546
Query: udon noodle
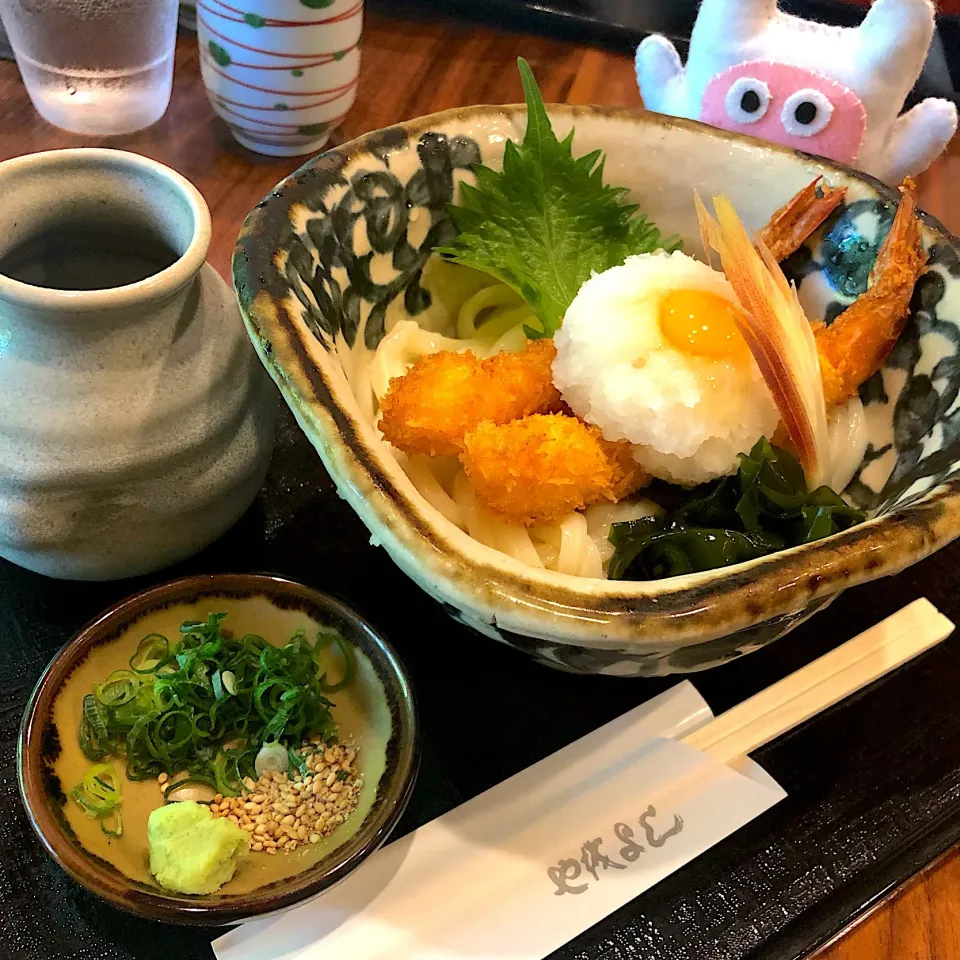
x,y
576,545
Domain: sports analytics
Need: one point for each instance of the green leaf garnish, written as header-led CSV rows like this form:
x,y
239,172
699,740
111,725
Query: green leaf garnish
x,y
763,508
547,221
99,795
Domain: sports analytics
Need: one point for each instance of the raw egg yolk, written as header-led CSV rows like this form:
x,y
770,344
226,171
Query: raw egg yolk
x,y
703,324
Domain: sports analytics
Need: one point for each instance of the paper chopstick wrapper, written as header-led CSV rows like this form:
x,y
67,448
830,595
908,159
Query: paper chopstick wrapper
x,y
526,866
533,862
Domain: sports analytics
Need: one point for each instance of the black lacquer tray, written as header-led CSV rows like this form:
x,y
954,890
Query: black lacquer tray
x,y
615,23
873,784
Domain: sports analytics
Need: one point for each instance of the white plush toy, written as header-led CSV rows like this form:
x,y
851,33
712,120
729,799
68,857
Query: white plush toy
x,y
832,91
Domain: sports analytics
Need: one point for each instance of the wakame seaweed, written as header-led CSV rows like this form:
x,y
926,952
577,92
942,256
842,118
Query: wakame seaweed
x,y
763,508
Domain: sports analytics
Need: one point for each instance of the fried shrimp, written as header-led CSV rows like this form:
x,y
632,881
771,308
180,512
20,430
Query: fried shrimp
x,y
857,343
540,468
810,368
799,217
859,340
446,395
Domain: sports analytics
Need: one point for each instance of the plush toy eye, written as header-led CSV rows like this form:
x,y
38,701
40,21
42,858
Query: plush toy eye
x,y
747,100
806,112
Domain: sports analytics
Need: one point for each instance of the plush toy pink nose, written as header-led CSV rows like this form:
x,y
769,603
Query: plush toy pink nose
x,y
789,105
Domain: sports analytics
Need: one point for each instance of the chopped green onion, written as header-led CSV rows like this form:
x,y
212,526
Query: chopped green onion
x,y
152,652
89,744
112,824
324,638
99,792
93,716
200,710
174,730
297,762
119,688
272,758
228,783
189,781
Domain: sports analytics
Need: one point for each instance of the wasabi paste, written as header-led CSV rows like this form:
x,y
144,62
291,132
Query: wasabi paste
x,y
191,851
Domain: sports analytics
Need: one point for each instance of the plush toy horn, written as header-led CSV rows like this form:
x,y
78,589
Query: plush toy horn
x,y
894,30
892,43
721,27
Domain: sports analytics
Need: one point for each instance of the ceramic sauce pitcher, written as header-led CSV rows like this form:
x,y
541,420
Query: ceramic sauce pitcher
x,y
136,422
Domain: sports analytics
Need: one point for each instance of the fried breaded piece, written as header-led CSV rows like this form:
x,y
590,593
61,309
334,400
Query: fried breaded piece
x,y
446,395
542,467
628,476
524,380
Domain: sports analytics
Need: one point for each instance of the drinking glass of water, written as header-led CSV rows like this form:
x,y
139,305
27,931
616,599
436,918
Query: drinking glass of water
x,y
100,67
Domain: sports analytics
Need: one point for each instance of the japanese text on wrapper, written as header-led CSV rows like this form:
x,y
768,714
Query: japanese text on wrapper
x,y
572,874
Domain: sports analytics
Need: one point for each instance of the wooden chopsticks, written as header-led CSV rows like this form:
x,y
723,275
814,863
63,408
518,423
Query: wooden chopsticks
x,y
823,683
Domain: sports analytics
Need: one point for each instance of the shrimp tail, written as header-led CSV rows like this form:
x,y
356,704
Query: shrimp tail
x,y
799,217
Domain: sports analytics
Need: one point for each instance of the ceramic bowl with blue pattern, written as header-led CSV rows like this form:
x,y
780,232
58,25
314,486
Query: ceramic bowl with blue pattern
x,y
335,256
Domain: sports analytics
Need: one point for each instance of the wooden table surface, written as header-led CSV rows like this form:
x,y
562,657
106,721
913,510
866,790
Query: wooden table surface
x,y
413,68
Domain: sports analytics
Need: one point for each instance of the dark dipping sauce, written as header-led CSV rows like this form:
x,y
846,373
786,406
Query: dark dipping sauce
x,y
87,259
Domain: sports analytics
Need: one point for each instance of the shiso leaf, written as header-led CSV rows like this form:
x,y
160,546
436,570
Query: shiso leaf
x,y
547,221
778,334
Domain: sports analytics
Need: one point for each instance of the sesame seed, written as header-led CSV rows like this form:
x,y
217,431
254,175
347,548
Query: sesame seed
x,y
286,811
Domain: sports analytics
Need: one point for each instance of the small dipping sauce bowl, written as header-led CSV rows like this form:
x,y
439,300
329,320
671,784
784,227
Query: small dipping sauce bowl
x,y
375,711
